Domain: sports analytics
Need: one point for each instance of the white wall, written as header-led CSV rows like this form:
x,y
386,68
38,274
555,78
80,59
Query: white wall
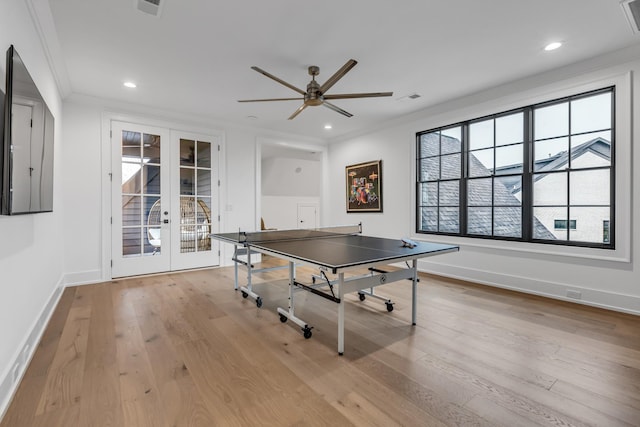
x,y
605,278
281,212
31,246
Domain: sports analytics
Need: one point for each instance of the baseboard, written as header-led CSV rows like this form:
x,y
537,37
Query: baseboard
x,y
595,298
22,358
82,278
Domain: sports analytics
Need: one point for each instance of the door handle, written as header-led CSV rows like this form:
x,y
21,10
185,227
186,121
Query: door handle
x,y
166,221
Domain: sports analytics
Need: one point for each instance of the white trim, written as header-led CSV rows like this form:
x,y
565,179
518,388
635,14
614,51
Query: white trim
x,y
623,185
556,290
8,387
82,278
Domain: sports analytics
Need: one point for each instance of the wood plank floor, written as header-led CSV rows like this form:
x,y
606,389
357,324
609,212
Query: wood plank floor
x,y
185,349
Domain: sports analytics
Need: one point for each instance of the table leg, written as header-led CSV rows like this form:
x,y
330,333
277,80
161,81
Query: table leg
x,y
341,314
235,266
414,291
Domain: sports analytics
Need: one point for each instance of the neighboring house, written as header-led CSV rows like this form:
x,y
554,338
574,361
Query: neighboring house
x,y
588,222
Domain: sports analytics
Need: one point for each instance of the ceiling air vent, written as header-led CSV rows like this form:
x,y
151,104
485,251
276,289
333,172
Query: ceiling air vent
x,y
632,11
150,7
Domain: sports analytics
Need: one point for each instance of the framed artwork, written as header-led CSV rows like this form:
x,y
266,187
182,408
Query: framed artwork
x,y
364,187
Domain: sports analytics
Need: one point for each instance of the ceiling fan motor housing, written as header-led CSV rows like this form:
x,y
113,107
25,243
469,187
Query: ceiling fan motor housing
x,y
313,96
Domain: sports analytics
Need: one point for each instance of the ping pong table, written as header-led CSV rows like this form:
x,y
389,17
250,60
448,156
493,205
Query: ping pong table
x,y
333,250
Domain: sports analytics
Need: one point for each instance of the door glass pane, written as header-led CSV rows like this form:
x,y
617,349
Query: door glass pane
x,y
151,184
204,182
131,242
187,152
203,229
151,148
131,181
204,154
187,181
131,144
131,208
153,240
187,238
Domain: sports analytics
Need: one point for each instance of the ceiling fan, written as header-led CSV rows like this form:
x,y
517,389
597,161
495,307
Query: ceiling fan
x,y
316,94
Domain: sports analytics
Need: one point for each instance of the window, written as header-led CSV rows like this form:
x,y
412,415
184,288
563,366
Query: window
x,y
561,224
521,174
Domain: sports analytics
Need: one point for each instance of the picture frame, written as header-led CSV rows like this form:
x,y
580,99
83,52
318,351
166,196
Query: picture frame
x,y
364,187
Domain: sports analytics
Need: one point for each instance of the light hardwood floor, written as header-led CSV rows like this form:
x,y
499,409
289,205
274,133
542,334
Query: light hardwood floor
x,y
185,349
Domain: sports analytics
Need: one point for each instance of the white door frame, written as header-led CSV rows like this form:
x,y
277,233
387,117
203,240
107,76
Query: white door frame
x,y
105,187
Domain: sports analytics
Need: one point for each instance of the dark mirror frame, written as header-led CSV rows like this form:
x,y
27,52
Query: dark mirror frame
x,y
26,178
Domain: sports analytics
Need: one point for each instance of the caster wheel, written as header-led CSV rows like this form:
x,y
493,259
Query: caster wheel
x,y
259,302
244,294
362,297
307,333
283,318
389,307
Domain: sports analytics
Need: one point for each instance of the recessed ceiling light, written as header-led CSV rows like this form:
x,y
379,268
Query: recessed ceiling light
x,y
131,85
552,46
252,117
328,126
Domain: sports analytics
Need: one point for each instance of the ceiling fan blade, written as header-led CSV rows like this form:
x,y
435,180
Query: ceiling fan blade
x,y
357,95
270,99
298,111
282,82
338,75
336,109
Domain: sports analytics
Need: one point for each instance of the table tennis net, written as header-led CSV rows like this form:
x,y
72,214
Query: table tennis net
x,y
257,237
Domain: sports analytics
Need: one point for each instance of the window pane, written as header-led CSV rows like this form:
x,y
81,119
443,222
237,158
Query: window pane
x,y
187,152
509,129
551,121
507,191
449,220
507,222
544,220
481,162
591,150
187,178
429,219
204,154
590,187
479,221
450,142
151,148
430,169
451,167
550,189
592,113
479,192
509,159
550,154
589,223
429,194
430,144
481,134
450,193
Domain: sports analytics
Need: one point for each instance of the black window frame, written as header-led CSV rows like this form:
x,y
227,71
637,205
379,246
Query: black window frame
x,y
527,218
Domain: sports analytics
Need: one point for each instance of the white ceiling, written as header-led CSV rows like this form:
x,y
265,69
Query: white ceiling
x,y
196,57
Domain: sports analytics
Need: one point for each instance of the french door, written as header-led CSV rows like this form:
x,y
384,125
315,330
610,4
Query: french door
x,y
164,199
